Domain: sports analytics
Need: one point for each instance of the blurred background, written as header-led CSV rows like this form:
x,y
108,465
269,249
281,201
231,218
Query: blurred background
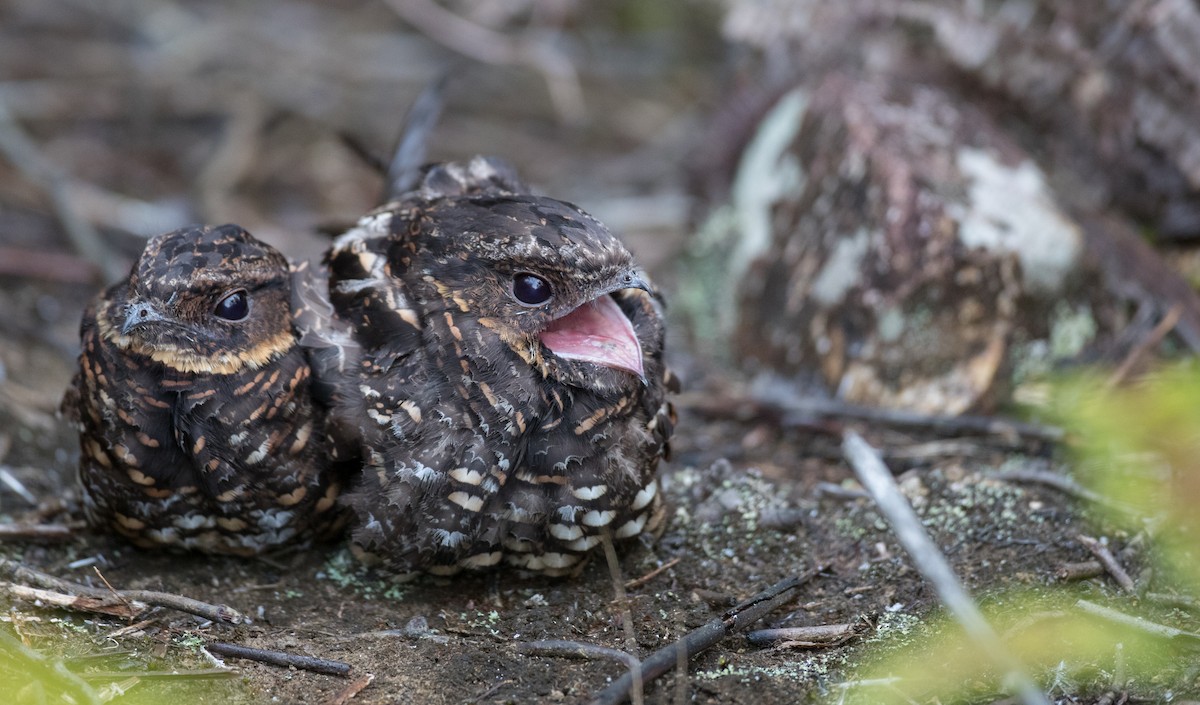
x,y
927,206
122,120
930,206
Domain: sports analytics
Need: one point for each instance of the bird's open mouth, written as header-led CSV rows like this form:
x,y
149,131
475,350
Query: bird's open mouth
x,y
597,332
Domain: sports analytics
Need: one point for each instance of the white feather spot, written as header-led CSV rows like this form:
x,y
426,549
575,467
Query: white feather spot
x,y
584,544
423,474
597,518
260,453
563,532
517,545
643,498
467,476
450,539
275,520
559,560
631,528
522,515
588,493
467,501
192,522
481,560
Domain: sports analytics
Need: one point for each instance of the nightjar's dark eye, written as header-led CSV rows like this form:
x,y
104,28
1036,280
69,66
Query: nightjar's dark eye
x,y
234,307
531,289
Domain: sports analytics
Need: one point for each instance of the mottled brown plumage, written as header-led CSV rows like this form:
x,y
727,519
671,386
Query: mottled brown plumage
x,y
198,427
502,370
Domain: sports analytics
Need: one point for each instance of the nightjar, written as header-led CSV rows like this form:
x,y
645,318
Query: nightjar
x,y
198,428
501,364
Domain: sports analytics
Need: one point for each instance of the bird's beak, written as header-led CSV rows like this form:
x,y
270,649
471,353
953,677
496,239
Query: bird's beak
x,y
599,332
139,313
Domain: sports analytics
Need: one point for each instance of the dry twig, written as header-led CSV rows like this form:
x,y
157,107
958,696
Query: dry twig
x,y
614,568
345,694
638,582
217,613
1169,320
704,638
36,532
576,649
928,559
791,410
11,482
160,675
819,636
486,45
280,658
1181,601
110,605
1079,571
1142,625
16,146
1060,483
47,266
1109,561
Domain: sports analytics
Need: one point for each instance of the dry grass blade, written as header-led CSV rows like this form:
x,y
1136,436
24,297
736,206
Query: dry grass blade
x,y
47,671
928,559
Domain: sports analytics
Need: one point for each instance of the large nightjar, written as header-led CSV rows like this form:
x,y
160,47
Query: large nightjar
x,y
504,377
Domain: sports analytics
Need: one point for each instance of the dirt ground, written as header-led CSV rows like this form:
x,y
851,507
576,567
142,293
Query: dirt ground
x,y
752,505
754,500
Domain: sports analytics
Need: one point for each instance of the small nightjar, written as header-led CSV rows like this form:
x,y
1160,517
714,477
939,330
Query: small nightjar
x,y
198,427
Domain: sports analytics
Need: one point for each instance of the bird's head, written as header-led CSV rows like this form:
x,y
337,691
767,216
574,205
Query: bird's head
x,y
552,282
203,300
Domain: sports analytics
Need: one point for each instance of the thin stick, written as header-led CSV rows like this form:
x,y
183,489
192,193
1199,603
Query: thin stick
x,y
818,635
109,585
576,649
280,658
109,605
1142,625
614,569
216,613
705,637
1109,561
1181,601
638,582
1169,320
129,628
20,150
806,411
11,482
403,172
1061,483
345,694
47,266
36,532
1068,572
928,559
160,675
489,46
